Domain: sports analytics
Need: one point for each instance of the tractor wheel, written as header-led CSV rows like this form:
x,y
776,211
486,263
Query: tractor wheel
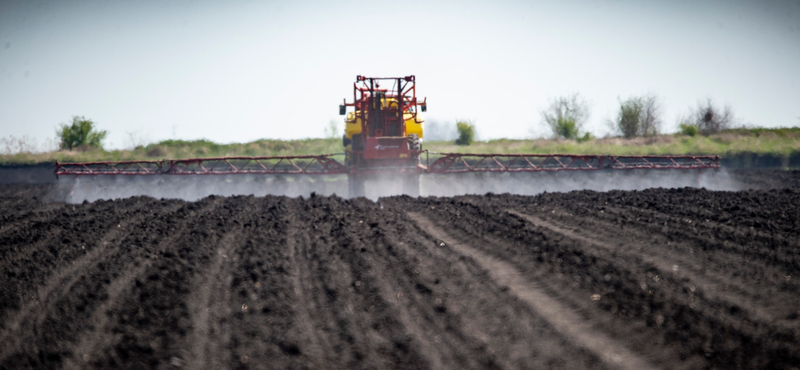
x,y
414,144
358,144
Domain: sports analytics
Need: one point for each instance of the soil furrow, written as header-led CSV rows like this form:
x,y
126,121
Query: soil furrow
x,y
455,308
84,351
151,323
671,278
561,317
60,284
207,337
740,244
137,261
712,285
306,308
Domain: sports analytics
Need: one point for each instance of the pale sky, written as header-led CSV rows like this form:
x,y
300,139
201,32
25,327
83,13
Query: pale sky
x,y
237,71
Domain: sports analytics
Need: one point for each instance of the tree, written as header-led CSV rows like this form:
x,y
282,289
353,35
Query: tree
x,y
639,116
628,119
709,119
566,116
81,133
650,116
466,132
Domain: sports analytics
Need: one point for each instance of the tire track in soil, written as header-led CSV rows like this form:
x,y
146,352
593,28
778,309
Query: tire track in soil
x,y
57,246
561,317
673,315
354,320
82,353
210,306
736,264
206,353
99,334
361,330
732,249
317,350
559,285
458,317
261,297
712,285
149,325
57,286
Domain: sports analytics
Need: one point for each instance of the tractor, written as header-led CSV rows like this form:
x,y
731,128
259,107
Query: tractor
x,y
383,148
384,132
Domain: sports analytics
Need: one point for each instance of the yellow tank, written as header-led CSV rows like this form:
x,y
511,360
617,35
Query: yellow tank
x,y
414,126
352,125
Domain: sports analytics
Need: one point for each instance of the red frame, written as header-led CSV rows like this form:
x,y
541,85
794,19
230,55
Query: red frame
x,y
448,163
279,165
463,163
404,91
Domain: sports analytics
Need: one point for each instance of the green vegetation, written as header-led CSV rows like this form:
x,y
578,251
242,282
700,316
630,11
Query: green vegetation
x,y
710,119
566,116
782,142
80,134
180,149
628,119
639,116
688,129
466,133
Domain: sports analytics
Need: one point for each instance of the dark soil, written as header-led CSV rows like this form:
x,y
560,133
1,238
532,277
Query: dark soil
x,y
666,278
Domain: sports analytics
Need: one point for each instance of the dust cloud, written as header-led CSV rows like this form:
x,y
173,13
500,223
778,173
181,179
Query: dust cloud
x,y
191,188
532,183
195,187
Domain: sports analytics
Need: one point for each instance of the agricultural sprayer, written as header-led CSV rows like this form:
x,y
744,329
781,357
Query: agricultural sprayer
x,y
383,138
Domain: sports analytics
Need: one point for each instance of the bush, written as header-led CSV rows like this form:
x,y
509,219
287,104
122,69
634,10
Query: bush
x,y
466,132
628,119
710,120
639,116
566,116
81,133
586,137
566,127
688,129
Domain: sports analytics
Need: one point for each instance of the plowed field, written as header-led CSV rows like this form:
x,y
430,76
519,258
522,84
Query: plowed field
x,y
662,279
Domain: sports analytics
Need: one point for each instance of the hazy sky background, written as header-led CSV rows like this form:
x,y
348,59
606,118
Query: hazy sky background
x,y
236,71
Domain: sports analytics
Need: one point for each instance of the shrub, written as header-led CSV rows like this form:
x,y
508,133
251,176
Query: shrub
x,y
628,120
639,116
566,116
688,129
566,128
586,137
81,133
709,119
466,132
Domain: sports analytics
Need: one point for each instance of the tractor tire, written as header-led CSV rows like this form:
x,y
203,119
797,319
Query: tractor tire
x,y
414,143
358,144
